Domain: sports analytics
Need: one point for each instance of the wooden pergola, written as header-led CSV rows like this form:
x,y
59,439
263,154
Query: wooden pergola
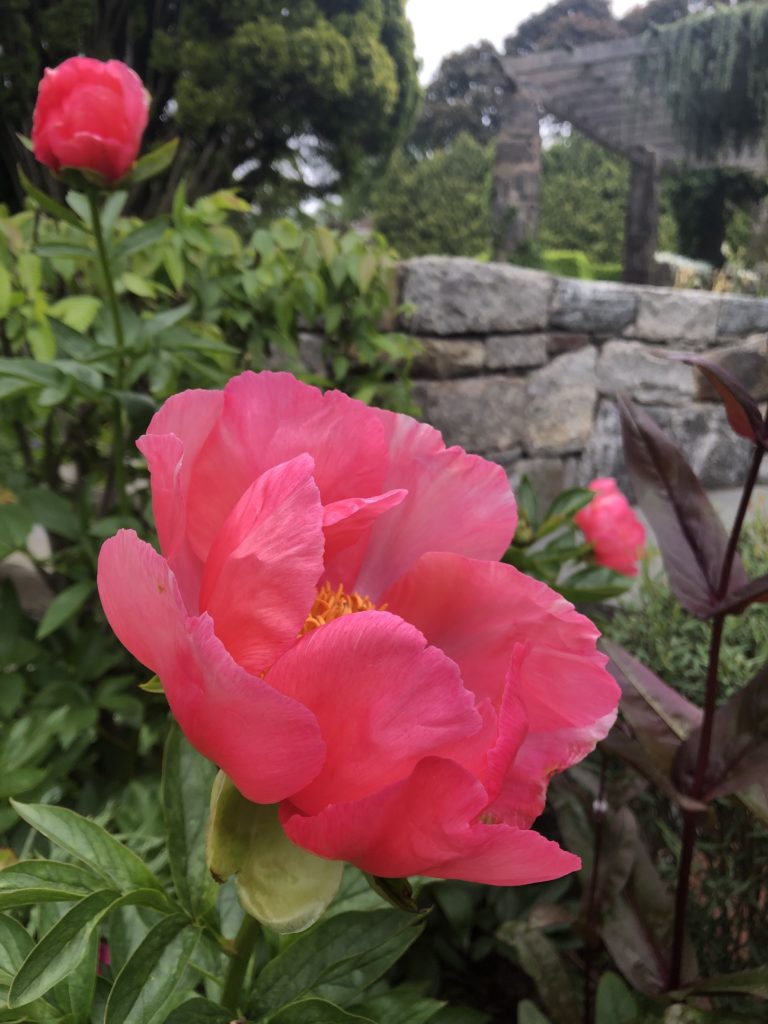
x,y
597,90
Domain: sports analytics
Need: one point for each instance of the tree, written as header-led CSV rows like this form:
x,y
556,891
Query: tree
x,y
583,197
261,86
463,97
566,23
439,202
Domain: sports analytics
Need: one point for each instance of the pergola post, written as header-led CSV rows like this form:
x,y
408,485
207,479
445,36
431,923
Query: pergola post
x,y
641,226
516,174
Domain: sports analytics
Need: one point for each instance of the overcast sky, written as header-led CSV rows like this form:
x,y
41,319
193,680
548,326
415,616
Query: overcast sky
x,y
443,26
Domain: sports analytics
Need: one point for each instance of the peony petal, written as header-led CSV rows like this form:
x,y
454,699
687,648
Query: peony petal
x,y
347,525
269,418
141,599
425,825
523,791
262,571
383,700
170,446
456,502
269,745
477,611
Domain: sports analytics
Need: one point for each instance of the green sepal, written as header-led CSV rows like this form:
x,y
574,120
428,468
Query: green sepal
x,y
396,891
278,883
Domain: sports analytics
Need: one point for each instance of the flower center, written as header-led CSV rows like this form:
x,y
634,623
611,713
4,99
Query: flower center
x,y
332,604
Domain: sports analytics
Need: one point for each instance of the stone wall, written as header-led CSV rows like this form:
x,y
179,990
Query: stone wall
x,y
523,367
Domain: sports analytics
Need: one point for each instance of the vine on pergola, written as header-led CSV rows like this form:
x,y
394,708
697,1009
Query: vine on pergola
x,y
713,69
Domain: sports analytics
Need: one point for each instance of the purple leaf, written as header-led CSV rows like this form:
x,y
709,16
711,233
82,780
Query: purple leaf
x,y
740,407
755,591
739,751
689,533
660,718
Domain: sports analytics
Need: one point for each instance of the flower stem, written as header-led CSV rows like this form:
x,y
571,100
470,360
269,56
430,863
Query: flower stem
x,y
599,809
118,428
705,742
245,942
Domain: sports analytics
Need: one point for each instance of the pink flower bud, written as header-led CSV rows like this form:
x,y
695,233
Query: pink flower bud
x,y
90,115
614,531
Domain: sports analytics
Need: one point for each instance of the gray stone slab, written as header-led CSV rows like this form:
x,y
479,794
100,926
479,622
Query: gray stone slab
x,y
595,307
560,402
741,315
482,414
648,377
516,351
449,357
671,316
453,295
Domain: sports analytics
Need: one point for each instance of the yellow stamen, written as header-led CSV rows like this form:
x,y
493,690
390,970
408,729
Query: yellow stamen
x,y
332,604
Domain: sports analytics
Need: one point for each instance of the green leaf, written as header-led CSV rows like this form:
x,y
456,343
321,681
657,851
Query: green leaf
x,y
186,792
138,285
80,984
563,508
15,946
152,685
145,987
5,292
61,949
336,959
42,342
111,210
15,524
19,781
89,842
64,250
529,1013
403,1005
162,321
278,883
398,892
47,204
53,512
541,961
199,1011
44,881
594,584
76,311
316,1011
527,502
141,238
615,1003
64,607
753,982
152,163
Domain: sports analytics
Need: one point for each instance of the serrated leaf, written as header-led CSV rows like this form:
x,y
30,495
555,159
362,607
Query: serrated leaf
x,y
690,535
90,843
145,987
64,607
186,787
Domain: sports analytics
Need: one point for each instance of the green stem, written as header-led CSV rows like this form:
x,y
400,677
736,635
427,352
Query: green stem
x,y
118,426
250,931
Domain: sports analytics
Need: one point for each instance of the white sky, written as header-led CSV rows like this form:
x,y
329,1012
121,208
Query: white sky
x,y
443,26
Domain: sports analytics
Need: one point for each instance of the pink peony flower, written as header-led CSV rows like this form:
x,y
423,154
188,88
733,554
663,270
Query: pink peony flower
x,y
616,534
333,629
90,114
